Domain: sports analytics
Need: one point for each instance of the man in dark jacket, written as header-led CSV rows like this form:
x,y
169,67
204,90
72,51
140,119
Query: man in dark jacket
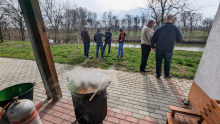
x,y
121,43
108,40
164,37
86,40
99,43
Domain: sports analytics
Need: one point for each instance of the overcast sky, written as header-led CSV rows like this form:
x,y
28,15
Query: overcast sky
x,y
208,7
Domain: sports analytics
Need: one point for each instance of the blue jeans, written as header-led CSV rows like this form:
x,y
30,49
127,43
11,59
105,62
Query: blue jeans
x,y
86,49
120,49
167,56
97,49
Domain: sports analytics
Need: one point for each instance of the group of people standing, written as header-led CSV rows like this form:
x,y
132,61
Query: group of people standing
x,y
99,42
161,40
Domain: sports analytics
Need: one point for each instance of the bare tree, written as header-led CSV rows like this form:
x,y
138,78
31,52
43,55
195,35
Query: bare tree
x,y
207,23
161,8
184,17
98,24
92,19
116,23
104,20
143,19
4,28
129,19
2,13
123,23
136,24
89,18
53,11
110,21
191,16
198,18
83,14
14,12
1,32
70,22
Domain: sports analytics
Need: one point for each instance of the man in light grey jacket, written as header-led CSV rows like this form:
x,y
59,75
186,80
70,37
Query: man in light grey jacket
x,y
99,42
146,34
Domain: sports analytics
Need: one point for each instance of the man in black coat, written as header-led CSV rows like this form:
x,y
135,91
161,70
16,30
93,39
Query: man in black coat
x,y
162,42
108,40
86,40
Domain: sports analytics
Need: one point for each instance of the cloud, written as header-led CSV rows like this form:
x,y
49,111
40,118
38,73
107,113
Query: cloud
x,y
121,7
106,5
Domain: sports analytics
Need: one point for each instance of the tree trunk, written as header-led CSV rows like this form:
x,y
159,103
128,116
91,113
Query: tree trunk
x,y
22,30
162,14
22,35
1,36
55,38
9,36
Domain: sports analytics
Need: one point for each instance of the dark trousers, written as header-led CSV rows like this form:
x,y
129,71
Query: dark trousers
x,y
97,49
86,49
167,56
145,53
109,46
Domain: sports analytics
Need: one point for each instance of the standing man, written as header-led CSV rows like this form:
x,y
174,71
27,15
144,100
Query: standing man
x,y
146,34
121,43
164,37
99,43
86,40
108,40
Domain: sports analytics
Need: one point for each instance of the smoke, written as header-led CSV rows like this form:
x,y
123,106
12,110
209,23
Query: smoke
x,y
86,76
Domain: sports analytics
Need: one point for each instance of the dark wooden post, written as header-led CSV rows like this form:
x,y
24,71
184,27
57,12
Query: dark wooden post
x,y
37,33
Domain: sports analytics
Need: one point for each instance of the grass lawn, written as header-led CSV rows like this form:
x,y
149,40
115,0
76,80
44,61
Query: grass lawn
x,y
195,33
184,63
131,33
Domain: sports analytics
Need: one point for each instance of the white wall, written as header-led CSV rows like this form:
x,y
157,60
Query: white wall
x,y
208,73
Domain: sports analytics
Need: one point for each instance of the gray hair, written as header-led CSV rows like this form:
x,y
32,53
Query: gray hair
x,y
85,26
150,22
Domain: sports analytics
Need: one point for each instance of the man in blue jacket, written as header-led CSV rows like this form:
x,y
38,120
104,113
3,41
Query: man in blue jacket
x,y
164,38
99,43
108,40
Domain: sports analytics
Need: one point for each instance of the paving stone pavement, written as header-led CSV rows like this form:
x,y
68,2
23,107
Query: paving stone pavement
x,y
16,71
133,97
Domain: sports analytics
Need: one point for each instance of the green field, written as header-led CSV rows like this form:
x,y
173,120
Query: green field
x,y
131,33
184,63
195,33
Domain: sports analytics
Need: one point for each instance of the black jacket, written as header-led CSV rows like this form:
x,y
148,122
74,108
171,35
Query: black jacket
x,y
85,36
165,36
98,37
108,37
122,36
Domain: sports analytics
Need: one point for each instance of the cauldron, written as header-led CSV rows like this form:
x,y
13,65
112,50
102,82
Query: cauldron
x,y
89,112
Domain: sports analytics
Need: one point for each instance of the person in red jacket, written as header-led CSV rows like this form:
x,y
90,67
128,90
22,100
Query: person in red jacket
x,y
121,43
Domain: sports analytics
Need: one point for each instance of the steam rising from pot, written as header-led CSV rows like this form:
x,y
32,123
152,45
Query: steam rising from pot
x,y
88,76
